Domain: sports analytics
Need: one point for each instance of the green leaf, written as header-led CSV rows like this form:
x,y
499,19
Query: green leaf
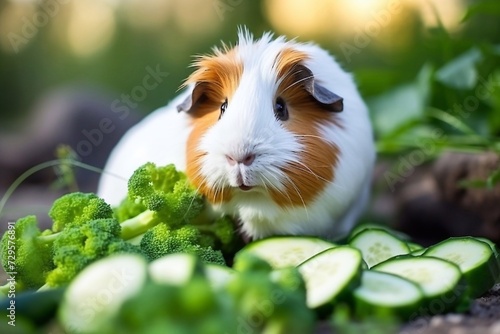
x,y
493,179
401,105
490,7
451,120
475,184
489,183
461,72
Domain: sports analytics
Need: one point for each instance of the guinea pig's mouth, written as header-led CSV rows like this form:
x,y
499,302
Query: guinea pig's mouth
x,y
244,187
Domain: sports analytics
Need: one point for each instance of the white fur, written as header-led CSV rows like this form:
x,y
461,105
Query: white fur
x,y
249,127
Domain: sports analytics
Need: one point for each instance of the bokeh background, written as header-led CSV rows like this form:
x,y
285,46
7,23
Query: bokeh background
x,y
429,71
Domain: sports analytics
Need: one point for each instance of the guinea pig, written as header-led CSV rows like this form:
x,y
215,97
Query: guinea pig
x,y
271,131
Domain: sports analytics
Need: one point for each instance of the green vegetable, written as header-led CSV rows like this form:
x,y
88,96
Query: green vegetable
x,y
162,240
414,247
360,228
161,206
79,245
331,275
386,296
181,299
476,260
163,308
98,292
441,281
77,208
267,300
171,221
496,252
378,245
284,251
166,195
28,252
175,269
218,275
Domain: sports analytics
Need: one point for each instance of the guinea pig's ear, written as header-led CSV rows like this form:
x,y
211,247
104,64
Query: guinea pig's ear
x,y
190,103
330,100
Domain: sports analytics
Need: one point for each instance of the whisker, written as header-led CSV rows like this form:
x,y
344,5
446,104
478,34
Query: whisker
x,y
321,178
297,190
280,191
297,82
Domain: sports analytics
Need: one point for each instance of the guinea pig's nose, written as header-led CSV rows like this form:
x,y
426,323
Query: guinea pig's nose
x,y
246,160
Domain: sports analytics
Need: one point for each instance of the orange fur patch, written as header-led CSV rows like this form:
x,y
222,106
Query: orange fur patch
x,y
309,176
221,74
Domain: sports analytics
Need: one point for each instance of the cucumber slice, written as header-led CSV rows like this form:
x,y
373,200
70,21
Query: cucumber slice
x,y
385,295
418,252
286,251
218,275
366,226
495,250
413,246
175,269
99,290
441,281
475,259
331,274
378,245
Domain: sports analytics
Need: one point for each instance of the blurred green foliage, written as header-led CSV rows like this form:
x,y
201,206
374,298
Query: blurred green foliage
x,y
416,78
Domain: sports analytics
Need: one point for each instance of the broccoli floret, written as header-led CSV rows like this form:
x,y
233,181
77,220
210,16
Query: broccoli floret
x,y
77,208
162,240
78,246
166,191
171,201
167,196
27,251
220,234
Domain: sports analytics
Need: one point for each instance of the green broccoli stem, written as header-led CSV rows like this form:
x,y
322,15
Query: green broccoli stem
x,y
47,239
138,225
131,228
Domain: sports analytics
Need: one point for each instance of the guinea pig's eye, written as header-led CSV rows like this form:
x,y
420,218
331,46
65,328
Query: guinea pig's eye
x,y
280,109
223,108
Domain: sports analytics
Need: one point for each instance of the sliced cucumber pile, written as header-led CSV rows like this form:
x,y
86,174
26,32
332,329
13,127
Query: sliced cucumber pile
x,y
441,281
404,278
476,260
